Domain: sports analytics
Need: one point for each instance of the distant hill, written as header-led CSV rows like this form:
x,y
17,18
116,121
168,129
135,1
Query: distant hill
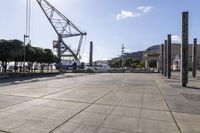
x,y
136,55
153,48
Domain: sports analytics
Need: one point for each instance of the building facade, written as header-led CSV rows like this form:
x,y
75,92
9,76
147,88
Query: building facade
x,y
154,55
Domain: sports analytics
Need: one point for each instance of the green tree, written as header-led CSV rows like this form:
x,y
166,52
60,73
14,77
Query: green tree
x,y
128,62
30,56
5,56
49,57
13,51
16,52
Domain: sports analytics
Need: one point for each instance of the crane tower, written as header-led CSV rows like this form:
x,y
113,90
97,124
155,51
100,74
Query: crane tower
x,y
64,28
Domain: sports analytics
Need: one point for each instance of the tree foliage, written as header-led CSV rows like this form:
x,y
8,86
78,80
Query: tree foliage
x,y
13,51
128,63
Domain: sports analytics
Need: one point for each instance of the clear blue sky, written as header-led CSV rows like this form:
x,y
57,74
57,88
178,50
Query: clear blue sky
x,y
109,23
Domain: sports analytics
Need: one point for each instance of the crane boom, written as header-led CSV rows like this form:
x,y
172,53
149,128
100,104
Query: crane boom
x,y
64,28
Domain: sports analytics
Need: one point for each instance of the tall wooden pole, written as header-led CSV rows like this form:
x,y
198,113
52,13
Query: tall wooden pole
x,y
184,50
194,57
165,66
91,54
169,62
162,58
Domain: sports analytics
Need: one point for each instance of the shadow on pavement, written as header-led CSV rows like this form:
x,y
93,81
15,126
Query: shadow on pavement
x,y
14,80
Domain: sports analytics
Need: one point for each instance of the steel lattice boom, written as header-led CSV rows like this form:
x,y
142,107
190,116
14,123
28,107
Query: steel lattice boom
x,y
64,29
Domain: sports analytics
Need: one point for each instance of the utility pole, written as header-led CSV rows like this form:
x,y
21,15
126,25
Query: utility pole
x,y
122,56
25,36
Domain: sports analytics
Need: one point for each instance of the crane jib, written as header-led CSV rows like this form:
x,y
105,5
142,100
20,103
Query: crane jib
x,y
64,28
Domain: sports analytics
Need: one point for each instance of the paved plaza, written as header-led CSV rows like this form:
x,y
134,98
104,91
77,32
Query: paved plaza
x,y
100,103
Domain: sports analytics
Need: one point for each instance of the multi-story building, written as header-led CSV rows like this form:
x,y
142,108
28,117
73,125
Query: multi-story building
x,y
176,58
154,55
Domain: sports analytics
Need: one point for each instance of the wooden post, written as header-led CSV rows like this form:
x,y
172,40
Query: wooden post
x,y
169,62
91,54
162,58
165,58
194,57
184,50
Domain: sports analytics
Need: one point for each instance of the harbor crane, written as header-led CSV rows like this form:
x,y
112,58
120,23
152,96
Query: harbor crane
x,y
64,28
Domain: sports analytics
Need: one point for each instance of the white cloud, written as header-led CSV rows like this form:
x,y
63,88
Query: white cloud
x,y
176,39
145,9
126,14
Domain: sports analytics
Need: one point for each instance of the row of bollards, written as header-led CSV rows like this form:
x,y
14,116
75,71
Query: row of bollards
x,y
166,57
166,53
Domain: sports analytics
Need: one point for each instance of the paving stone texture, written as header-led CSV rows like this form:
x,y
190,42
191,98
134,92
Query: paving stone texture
x,y
101,103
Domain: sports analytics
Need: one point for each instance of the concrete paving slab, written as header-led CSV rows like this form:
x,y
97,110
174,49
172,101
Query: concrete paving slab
x,y
131,100
156,115
154,126
129,90
6,100
29,91
106,130
36,125
182,105
78,95
152,91
39,115
154,102
189,123
102,109
126,112
8,123
121,123
110,99
99,103
89,118
73,127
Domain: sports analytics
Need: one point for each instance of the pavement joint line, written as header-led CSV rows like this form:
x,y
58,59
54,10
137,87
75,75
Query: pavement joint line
x,y
15,104
5,94
185,113
129,131
63,100
97,129
32,98
140,115
130,107
117,130
80,112
55,92
114,107
170,110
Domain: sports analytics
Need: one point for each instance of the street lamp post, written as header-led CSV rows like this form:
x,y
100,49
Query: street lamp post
x,y
25,36
123,56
